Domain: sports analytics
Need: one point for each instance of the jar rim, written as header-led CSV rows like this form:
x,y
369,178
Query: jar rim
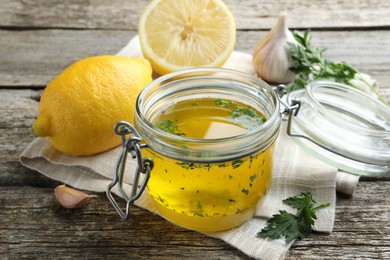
x,y
346,127
213,73
314,86
201,70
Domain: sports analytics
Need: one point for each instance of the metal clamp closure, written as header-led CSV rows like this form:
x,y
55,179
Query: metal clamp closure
x,y
290,110
133,147
280,92
293,110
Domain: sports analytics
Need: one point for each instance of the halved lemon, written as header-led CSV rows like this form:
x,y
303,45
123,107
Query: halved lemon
x,y
179,34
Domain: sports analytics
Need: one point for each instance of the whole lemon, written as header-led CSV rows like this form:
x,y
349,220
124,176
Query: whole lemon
x,y
79,108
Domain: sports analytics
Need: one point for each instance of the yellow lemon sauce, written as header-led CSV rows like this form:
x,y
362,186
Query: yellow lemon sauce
x,y
209,196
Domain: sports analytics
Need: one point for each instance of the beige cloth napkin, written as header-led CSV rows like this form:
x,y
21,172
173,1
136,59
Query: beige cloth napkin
x,y
294,172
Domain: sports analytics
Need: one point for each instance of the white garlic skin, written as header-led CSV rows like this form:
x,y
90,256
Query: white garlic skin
x,y
271,56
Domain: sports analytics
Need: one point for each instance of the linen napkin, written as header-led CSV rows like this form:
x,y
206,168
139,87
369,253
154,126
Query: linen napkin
x,y
294,172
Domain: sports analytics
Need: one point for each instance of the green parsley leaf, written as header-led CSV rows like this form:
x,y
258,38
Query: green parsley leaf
x,y
282,224
290,226
302,200
308,64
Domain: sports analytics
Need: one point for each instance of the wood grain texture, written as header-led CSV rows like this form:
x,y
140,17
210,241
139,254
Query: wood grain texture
x,y
18,110
32,58
44,230
39,38
121,14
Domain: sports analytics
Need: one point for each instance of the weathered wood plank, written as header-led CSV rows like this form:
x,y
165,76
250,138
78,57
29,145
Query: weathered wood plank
x,y
120,14
93,232
360,225
33,225
33,58
18,111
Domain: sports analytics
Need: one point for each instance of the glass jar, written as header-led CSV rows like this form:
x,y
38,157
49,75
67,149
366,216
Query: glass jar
x,y
213,178
343,126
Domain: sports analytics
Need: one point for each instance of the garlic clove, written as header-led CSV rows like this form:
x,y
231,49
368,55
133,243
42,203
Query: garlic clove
x,y
70,198
271,56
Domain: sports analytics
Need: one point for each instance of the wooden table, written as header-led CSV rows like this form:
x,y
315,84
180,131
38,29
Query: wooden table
x,y
39,38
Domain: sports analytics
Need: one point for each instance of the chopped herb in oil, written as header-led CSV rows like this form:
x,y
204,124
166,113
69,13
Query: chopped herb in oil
x,y
253,177
187,165
224,103
237,163
169,127
245,191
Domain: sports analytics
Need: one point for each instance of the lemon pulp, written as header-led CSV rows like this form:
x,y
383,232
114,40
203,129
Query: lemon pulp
x,y
178,34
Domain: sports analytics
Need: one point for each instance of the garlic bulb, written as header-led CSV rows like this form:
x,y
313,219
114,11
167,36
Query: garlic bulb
x,y
271,56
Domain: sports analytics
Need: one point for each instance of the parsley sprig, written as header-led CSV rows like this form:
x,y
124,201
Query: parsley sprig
x,y
290,226
308,64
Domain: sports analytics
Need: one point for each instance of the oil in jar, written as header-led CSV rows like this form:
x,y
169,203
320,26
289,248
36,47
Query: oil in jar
x,y
209,196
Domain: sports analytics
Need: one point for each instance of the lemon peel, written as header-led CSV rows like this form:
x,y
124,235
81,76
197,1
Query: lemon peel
x,y
79,108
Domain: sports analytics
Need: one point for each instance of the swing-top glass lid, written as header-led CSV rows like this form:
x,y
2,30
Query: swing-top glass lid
x,y
344,127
